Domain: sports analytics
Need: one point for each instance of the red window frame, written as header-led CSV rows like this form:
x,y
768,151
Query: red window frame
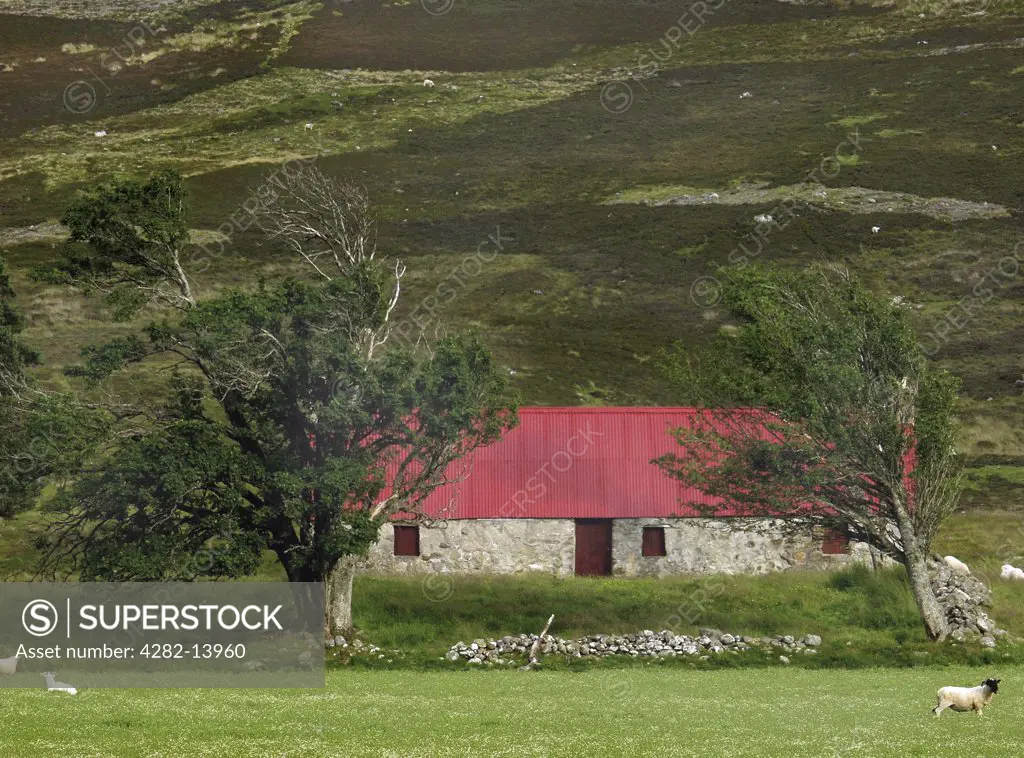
x,y
835,543
407,540
653,542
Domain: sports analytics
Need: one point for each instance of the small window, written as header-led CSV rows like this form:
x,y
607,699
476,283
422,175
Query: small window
x,y
835,543
654,541
407,540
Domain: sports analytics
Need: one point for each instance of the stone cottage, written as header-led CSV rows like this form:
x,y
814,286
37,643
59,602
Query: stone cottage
x,y
573,491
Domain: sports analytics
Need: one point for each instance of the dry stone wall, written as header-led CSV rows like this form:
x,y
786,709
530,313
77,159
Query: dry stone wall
x,y
964,599
648,644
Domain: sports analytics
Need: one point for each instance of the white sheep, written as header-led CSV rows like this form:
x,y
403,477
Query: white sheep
x,y
8,666
876,229
55,686
956,565
1012,572
966,698
309,126
428,83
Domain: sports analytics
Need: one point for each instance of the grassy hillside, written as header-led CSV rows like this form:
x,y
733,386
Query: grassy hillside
x,y
624,167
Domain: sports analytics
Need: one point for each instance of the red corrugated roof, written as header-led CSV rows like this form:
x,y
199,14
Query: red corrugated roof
x,y
574,463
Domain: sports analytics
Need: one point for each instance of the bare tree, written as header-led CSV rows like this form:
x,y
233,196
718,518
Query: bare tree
x,y
328,223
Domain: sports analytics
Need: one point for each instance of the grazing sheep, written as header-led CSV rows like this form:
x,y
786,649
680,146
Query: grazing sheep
x,y
8,666
956,565
309,126
54,686
966,698
876,229
1012,572
428,83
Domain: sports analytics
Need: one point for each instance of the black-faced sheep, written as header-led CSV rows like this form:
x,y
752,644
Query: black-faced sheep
x,y
966,698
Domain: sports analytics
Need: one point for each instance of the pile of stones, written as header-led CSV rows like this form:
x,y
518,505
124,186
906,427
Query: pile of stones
x,y
358,648
964,598
664,644
355,646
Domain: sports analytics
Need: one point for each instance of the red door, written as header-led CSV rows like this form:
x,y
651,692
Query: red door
x,y
593,547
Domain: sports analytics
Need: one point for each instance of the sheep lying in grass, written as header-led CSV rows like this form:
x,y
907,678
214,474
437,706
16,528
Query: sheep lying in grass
x,y
8,666
1012,572
55,686
956,565
966,698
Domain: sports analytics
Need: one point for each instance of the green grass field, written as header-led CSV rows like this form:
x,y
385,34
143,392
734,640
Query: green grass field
x,y
865,619
761,714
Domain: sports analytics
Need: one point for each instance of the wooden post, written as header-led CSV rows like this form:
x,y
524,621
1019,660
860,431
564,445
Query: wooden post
x,y
535,647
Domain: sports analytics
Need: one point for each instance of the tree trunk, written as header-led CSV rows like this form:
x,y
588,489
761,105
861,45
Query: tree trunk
x,y
339,597
915,559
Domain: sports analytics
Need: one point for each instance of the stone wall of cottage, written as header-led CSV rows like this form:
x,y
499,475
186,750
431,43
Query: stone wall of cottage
x,y
705,546
486,546
692,546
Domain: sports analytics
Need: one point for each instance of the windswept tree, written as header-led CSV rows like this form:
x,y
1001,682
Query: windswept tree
x,y
851,429
291,423
128,242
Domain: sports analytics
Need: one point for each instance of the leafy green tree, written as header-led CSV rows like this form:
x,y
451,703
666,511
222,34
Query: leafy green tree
x,y
853,430
291,424
135,238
